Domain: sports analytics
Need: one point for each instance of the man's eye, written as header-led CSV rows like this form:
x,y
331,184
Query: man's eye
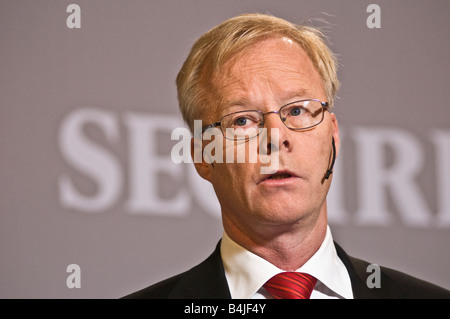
x,y
296,111
241,121
247,120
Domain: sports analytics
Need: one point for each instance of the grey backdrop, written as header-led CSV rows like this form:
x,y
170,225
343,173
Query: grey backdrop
x,y
86,121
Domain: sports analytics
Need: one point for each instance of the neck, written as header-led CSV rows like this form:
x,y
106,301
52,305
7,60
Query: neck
x,y
286,246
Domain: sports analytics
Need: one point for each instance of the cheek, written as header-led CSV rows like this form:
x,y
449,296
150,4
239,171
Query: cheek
x,y
233,183
227,179
315,155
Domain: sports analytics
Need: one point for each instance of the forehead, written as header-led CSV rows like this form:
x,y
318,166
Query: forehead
x,y
277,69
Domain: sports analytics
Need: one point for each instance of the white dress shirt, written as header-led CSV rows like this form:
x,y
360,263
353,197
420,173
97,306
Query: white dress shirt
x,y
246,272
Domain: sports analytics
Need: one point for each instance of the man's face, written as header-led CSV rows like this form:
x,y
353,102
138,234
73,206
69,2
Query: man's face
x,y
265,76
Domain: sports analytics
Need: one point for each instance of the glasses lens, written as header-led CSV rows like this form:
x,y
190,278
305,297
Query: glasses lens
x,y
302,114
242,125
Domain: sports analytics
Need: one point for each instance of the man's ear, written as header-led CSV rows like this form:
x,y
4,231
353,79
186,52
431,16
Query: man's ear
x,y
203,168
335,128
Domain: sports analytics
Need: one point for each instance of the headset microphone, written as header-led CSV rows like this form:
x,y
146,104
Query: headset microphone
x,y
330,170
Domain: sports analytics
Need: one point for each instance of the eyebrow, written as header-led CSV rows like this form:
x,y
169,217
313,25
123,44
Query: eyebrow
x,y
301,93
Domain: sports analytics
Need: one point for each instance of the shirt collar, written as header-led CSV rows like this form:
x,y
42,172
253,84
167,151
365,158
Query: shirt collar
x,y
246,272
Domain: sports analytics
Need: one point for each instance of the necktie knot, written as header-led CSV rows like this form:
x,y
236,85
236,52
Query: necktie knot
x,y
291,285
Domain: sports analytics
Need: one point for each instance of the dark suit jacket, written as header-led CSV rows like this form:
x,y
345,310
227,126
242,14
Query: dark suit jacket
x,y
207,281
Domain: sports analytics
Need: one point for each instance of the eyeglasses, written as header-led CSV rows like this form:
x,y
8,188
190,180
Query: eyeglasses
x,y
297,116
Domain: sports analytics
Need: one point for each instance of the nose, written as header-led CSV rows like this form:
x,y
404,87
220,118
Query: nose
x,y
277,132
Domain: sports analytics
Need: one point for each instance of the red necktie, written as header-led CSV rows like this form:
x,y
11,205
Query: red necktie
x,y
291,285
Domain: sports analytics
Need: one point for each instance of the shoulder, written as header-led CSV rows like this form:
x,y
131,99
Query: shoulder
x,y
206,280
160,290
414,287
391,283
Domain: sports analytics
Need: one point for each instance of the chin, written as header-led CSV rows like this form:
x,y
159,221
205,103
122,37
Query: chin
x,y
283,215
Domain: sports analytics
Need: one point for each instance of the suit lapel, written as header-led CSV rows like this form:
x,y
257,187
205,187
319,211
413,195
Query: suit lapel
x,y
357,270
205,281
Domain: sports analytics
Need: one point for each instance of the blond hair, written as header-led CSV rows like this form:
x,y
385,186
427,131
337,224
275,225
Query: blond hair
x,y
218,45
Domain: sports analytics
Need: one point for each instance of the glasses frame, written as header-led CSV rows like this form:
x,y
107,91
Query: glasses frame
x,y
325,107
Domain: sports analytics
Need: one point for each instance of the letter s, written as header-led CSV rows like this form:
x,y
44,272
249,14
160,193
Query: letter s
x,y
90,159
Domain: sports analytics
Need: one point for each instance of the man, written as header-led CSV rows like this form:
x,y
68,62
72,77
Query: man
x,y
266,76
